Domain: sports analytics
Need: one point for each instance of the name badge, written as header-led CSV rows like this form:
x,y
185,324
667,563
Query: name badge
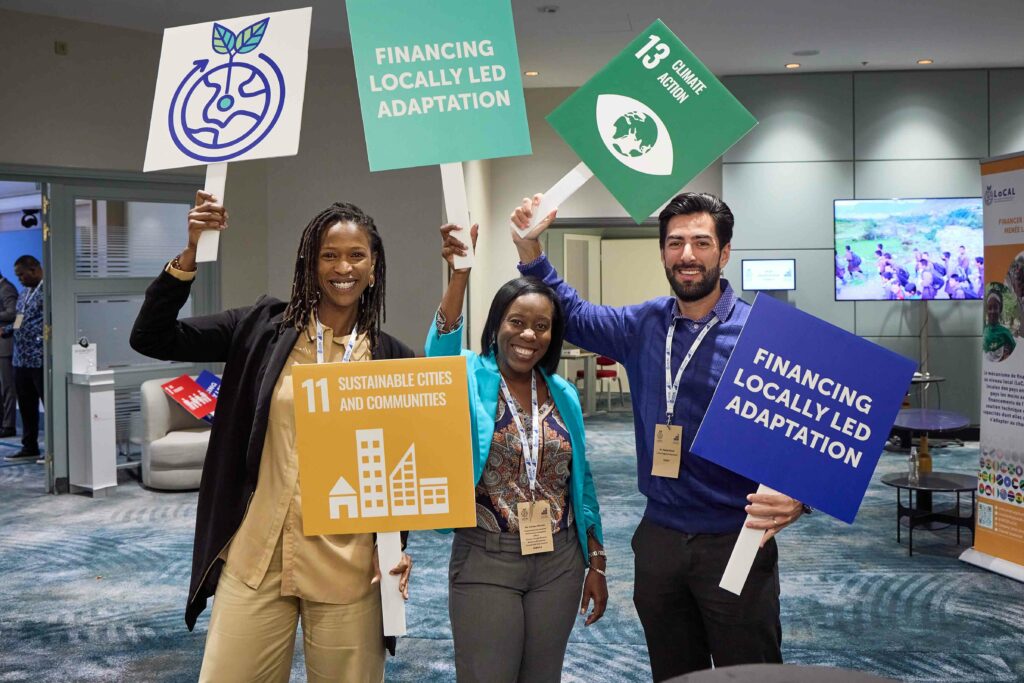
x,y
535,528
18,319
668,451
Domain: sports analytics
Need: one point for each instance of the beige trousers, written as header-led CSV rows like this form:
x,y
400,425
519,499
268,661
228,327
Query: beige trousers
x,y
252,635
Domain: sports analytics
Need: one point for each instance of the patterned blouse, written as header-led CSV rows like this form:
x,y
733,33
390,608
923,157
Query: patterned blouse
x,y
504,482
28,339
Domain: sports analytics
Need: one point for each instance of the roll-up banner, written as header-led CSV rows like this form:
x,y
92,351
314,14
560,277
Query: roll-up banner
x,y
999,529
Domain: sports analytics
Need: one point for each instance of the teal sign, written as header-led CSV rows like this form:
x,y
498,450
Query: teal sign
x,y
651,120
438,81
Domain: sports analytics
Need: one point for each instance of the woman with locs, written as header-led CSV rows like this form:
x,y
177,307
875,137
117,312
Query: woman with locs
x,y
514,580
249,545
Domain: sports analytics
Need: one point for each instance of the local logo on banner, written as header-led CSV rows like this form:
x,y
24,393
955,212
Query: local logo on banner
x,y
384,445
439,82
229,90
804,407
651,120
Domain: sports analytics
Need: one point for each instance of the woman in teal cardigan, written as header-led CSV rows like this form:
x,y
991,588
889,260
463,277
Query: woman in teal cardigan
x,y
514,580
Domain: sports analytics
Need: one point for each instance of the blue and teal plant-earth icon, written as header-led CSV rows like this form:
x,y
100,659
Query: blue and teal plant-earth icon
x,y
635,134
221,111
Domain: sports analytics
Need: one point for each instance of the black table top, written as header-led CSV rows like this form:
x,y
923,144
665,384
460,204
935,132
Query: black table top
x,y
928,420
933,481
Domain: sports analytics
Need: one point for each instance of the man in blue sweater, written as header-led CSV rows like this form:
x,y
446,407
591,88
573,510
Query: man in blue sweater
x,y
695,508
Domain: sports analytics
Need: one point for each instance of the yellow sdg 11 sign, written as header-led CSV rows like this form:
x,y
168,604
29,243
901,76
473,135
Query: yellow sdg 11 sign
x,y
384,445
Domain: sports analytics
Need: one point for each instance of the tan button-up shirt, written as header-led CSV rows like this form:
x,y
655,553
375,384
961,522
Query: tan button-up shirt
x,y
333,569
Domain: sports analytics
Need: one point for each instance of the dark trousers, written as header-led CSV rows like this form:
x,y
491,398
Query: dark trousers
x,y
689,622
512,614
7,393
28,383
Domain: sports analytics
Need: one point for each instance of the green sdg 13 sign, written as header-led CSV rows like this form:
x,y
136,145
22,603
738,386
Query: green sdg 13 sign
x,y
651,120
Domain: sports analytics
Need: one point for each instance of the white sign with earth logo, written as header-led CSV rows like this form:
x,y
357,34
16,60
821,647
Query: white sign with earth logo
x,y
230,90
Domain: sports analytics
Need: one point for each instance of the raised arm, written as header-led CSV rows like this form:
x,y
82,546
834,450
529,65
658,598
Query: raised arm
x,y
157,332
441,337
602,329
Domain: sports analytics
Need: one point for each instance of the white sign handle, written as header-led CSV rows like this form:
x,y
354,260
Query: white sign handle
x,y
216,179
559,192
456,206
389,554
743,553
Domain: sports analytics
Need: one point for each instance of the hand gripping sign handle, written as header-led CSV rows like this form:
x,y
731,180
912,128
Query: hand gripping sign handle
x,y
456,207
216,179
743,553
559,192
389,554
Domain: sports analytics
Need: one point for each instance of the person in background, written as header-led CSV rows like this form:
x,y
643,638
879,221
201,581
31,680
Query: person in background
x,y
249,544
853,262
979,288
512,612
694,512
8,313
27,331
963,260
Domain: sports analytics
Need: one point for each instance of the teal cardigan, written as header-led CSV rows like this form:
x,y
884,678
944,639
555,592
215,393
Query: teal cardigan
x,y
484,385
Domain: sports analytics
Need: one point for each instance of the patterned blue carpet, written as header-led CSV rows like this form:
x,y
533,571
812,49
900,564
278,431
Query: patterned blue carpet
x,y
93,590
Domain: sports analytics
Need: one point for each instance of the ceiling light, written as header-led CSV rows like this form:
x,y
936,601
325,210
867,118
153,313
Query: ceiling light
x,y
925,61
792,65
531,73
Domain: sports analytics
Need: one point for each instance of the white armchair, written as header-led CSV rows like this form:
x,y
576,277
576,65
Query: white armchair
x,y
173,442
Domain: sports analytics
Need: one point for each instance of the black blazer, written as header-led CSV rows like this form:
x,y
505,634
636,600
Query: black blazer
x,y
254,347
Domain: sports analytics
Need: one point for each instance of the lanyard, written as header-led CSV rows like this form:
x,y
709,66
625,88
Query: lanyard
x,y
530,454
28,299
672,388
320,342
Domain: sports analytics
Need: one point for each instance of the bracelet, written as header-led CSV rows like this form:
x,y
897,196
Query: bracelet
x,y
176,264
598,553
599,571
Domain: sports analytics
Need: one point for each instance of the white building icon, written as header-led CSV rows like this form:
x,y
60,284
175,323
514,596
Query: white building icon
x,y
343,495
409,496
373,499
403,485
434,496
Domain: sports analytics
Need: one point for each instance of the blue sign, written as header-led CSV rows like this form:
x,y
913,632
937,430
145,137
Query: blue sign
x,y
211,385
804,407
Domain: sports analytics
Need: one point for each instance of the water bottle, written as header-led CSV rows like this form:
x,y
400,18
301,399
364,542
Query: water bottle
x,y
914,468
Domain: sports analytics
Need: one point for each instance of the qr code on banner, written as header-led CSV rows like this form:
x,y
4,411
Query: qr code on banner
x,y
985,515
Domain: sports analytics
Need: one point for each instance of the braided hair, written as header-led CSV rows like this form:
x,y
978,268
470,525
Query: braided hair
x,y
306,285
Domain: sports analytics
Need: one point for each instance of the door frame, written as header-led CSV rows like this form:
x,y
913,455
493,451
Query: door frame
x,y
60,187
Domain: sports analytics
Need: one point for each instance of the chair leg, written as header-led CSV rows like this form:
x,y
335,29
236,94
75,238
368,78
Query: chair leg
x,y
622,400
608,387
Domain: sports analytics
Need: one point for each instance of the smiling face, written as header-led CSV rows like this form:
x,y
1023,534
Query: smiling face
x,y
525,334
993,308
691,256
345,266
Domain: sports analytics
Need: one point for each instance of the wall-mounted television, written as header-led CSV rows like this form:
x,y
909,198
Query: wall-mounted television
x,y
768,275
905,249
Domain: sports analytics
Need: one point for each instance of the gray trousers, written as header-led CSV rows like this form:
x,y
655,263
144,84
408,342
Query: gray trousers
x,y
512,614
7,393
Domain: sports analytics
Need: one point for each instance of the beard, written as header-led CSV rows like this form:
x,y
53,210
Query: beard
x,y
695,291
